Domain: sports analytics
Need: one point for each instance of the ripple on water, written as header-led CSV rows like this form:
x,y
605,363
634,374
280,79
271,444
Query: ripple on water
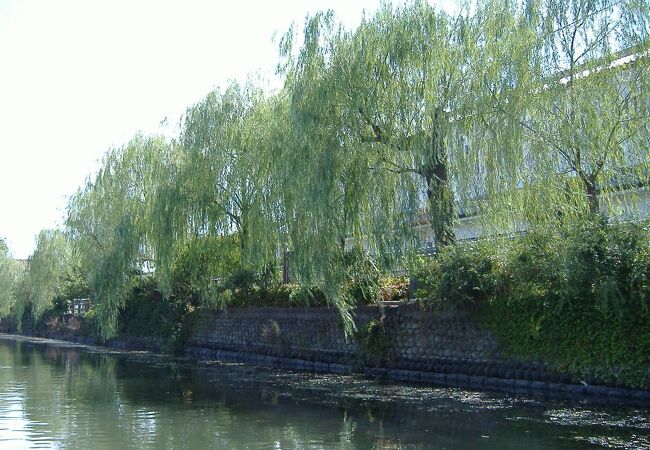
x,y
14,426
588,417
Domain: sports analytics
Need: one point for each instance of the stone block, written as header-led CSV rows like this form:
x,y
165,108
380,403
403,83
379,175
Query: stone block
x,y
506,384
401,375
452,379
413,375
557,389
375,372
640,397
576,390
618,394
596,391
476,382
539,386
339,368
492,383
463,380
427,377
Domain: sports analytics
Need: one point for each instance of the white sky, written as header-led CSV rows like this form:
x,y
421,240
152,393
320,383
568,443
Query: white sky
x,y
78,77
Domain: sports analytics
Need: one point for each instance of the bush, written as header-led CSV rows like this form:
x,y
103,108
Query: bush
x,y
578,297
375,343
89,326
393,289
459,276
250,288
148,314
202,264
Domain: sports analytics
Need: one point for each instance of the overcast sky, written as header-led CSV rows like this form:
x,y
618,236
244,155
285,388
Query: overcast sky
x,y
78,77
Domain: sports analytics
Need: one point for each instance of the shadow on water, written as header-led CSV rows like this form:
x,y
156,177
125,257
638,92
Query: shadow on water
x,y
67,397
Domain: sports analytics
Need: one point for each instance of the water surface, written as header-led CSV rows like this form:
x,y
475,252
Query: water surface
x,y
62,396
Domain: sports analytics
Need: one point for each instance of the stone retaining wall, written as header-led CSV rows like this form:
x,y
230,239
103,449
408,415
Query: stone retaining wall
x,y
409,334
408,344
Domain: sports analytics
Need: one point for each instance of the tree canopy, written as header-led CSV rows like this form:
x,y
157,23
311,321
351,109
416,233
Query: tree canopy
x,y
520,112
8,275
567,108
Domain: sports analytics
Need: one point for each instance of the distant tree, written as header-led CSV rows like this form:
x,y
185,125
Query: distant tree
x,y
8,279
44,279
110,223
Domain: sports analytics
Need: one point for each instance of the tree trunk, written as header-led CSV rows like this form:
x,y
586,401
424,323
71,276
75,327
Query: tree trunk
x,y
243,240
243,232
442,209
591,188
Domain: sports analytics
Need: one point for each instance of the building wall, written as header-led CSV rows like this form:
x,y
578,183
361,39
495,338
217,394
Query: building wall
x,y
628,205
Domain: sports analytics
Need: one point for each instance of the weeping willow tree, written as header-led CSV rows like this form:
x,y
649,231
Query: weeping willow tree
x,y
218,191
8,280
176,209
409,72
374,116
522,105
391,97
110,223
569,118
47,270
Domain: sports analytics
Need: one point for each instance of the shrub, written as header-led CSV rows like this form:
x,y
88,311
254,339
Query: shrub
x,y
460,275
375,342
147,313
393,289
577,298
88,325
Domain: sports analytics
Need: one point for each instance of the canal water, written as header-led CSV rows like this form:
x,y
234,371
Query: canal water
x,y
64,396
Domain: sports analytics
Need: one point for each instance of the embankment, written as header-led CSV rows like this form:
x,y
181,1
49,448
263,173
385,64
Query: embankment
x,y
402,343
405,343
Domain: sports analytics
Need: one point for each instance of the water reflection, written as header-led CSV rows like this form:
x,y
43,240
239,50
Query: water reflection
x,y
67,398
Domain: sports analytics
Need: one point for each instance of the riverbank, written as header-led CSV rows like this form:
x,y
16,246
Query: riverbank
x,y
402,344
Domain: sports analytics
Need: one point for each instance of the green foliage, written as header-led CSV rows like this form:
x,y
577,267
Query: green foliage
x,y
47,269
148,314
576,297
89,325
249,288
73,283
415,112
8,280
227,147
110,223
202,264
375,342
461,276
565,97
363,276
393,289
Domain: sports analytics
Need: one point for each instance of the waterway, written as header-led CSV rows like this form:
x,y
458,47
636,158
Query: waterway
x,y
57,395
